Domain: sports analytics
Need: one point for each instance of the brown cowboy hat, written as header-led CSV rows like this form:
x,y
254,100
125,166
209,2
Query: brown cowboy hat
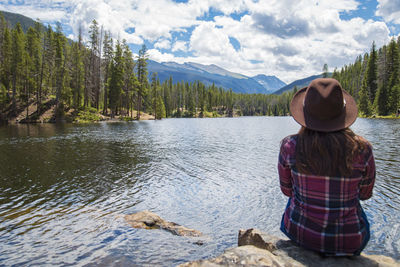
x,y
324,106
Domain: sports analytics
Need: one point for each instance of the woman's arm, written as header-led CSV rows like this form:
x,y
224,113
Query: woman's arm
x,y
368,180
285,175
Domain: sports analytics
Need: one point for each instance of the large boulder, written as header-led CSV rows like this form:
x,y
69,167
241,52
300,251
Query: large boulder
x,y
149,220
259,249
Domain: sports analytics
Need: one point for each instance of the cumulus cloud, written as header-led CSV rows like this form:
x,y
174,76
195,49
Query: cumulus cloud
x,y
208,40
163,44
179,46
281,27
289,39
36,12
389,10
156,55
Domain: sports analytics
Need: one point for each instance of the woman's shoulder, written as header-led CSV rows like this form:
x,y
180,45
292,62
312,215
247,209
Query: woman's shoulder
x,y
365,146
364,142
290,139
289,142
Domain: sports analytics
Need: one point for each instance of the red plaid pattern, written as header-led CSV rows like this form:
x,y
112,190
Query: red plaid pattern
x,y
324,213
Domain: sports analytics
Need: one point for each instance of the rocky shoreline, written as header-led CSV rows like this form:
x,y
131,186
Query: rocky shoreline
x,y
256,248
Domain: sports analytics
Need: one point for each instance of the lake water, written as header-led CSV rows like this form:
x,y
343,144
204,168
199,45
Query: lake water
x,y
64,187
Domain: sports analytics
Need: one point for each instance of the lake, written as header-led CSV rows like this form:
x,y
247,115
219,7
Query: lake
x,y
64,187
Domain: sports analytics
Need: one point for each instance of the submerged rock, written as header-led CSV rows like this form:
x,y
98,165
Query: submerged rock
x,y
259,249
149,220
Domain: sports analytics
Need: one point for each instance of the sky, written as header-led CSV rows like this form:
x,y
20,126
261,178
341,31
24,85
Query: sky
x,y
289,39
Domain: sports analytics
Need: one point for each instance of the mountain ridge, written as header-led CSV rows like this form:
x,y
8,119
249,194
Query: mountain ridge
x,y
190,71
213,74
297,83
14,18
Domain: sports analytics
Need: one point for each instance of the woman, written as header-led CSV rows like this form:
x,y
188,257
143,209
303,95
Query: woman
x,y
326,170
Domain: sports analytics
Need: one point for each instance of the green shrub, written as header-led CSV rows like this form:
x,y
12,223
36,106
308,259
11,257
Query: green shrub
x,y
87,115
126,118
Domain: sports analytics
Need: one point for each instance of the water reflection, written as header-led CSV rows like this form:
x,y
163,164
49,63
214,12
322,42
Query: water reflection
x,y
64,187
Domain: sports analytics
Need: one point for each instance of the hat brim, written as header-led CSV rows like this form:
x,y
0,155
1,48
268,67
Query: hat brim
x,y
347,117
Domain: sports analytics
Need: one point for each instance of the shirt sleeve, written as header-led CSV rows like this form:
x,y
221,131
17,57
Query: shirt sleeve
x,y
285,175
368,180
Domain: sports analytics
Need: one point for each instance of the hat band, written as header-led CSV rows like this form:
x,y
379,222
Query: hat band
x,y
325,118
344,102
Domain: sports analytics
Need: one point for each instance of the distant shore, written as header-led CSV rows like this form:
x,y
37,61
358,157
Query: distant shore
x,y
29,114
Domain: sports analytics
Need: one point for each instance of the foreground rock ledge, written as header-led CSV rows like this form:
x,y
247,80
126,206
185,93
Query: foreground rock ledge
x,y
149,220
259,249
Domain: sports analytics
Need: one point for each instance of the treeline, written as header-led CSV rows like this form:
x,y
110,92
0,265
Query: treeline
x,y
197,100
374,80
42,66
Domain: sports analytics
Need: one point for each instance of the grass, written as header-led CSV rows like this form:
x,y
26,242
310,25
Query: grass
x,y
87,115
374,116
127,118
208,114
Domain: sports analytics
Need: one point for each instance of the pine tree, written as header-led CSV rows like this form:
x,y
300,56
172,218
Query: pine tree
x,y
116,81
3,26
167,97
77,82
59,68
325,71
33,61
202,99
108,56
3,89
160,108
382,96
17,62
48,72
5,65
154,93
191,107
371,78
142,78
393,74
130,81
92,84
364,103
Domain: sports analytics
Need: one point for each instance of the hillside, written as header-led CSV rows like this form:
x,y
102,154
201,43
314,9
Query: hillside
x,y
190,71
12,19
298,83
271,82
212,74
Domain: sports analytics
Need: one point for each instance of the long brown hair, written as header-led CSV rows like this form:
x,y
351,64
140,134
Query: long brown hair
x,y
327,153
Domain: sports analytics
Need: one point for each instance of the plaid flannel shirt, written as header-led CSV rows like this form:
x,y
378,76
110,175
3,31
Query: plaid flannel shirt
x,y
324,213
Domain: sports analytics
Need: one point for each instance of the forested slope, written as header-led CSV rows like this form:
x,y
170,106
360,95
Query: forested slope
x,y
40,68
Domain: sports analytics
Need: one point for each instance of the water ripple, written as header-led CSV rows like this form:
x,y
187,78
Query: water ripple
x,y
65,188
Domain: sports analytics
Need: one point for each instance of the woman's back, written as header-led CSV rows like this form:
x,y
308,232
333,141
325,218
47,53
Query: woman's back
x,y
323,212
326,170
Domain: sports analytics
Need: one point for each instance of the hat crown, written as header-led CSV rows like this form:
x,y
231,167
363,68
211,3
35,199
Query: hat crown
x,y
324,99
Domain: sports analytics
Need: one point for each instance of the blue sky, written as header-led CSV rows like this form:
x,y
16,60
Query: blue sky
x,y
288,39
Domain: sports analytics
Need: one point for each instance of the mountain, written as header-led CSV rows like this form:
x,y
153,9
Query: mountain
x,y
190,71
209,74
298,83
271,82
13,18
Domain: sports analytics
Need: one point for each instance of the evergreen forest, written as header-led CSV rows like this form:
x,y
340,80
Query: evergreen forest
x,y
41,68
374,80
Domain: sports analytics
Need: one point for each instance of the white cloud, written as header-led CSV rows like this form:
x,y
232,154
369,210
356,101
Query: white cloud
x,y
207,40
36,12
389,10
289,39
158,56
163,44
180,46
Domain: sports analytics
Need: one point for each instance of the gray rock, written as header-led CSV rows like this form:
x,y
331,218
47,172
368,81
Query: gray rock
x,y
149,220
259,249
